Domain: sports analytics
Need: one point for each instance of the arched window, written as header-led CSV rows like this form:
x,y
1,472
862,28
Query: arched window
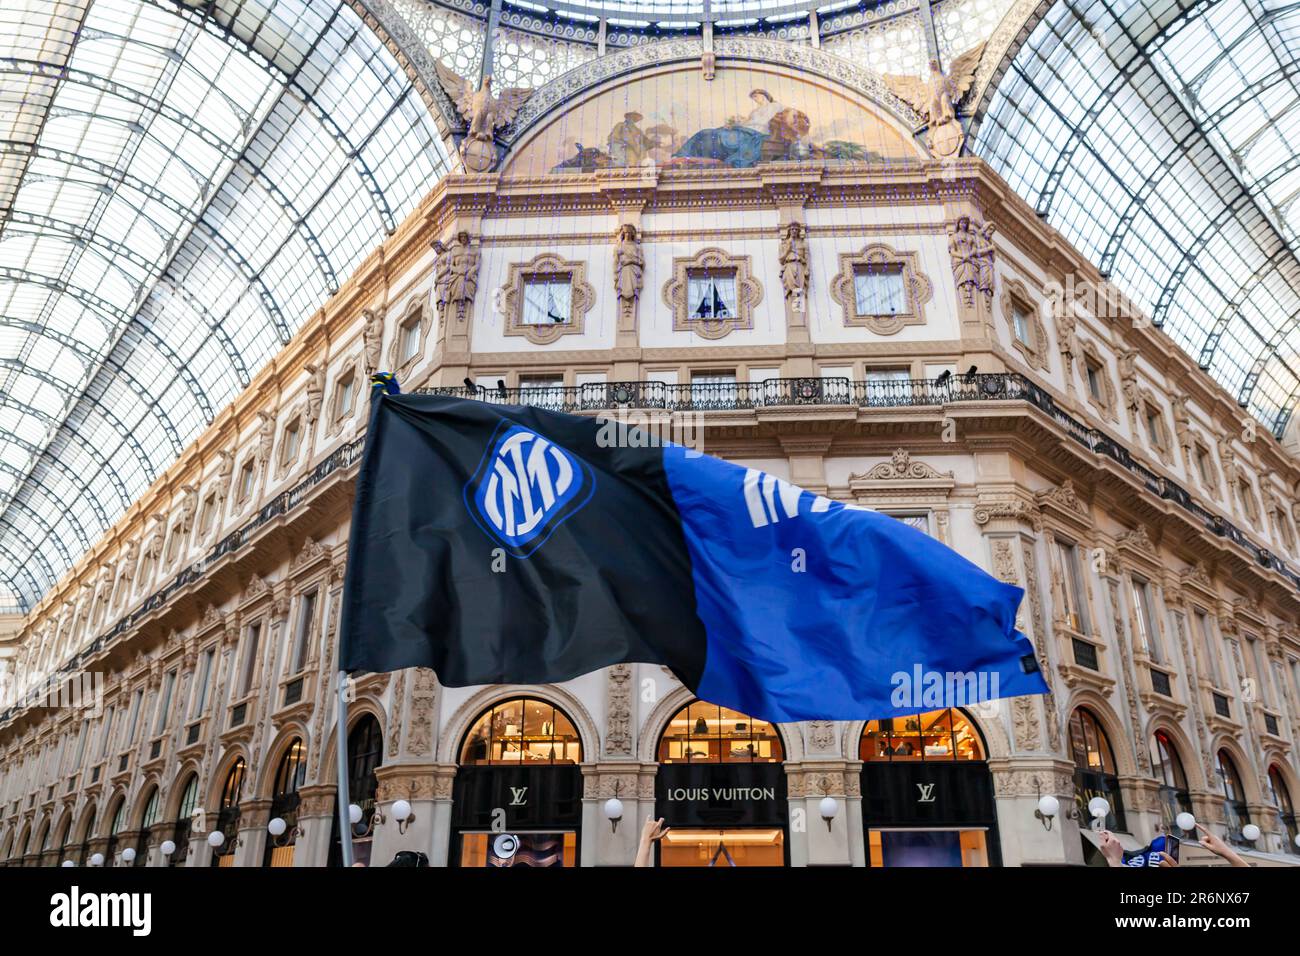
x,y
147,820
522,731
61,843
1094,768
87,831
1167,768
935,735
114,831
228,815
365,754
1235,813
289,776
1285,808
707,733
42,842
184,821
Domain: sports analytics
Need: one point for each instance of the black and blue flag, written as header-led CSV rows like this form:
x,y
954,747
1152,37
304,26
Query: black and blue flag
x,y
510,544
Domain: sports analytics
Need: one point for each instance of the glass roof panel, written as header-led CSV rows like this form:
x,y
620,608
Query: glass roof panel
x,y
1161,138
180,189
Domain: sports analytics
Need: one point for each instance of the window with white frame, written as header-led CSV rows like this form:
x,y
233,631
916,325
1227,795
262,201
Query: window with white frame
x,y
920,520
548,300
712,387
164,702
248,662
201,682
1205,629
345,395
879,289
1148,634
291,442
546,391
1075,609
711,294
408,339
302,632
133,724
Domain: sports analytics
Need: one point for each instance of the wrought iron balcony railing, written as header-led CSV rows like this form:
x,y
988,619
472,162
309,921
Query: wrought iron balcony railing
x,y
718,396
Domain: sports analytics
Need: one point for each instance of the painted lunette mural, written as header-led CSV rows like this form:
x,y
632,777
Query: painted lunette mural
x,y
743,118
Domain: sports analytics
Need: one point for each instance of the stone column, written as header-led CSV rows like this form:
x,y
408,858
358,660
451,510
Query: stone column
x,y
253,817
812,842
634,786
807,454
409,771
1017,784
316,820
972,255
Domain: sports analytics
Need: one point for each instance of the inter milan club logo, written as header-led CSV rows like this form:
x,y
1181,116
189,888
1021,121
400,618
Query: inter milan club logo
x,y
525,488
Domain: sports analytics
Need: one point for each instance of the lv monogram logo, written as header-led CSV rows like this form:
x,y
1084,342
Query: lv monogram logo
x,y
927,793
518,796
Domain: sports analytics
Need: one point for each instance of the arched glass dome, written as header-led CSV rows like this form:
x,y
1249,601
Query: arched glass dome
x,y
181,185
1161,139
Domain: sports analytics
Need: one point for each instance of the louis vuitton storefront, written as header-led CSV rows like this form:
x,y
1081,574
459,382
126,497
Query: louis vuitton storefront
x,y
721,789
927,794
517,799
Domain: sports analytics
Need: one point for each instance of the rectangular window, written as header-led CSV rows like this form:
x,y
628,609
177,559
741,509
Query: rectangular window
x,y
302,634
921,521
248,669
545,391
1205,466
1248,499
1094,382
1155,433
291,443
547,300
879,290
1022,324
164,703
174,545
1205,630
1146,623
133,724
208,514
200,702
81,744
106,731
346,396
711,295
408,340
1072,588
713,388
246,475
1261,671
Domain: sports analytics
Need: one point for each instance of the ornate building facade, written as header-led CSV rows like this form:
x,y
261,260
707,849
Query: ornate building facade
x,y
765,250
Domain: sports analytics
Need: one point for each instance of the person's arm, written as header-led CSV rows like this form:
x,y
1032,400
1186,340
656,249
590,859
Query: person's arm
x,y
1111,848
651,831
1216,846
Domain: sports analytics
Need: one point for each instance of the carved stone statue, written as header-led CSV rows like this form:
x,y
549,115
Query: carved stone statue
x,y
1067,336
1182,420
936,97
971,246
372,339
154,548
225,468
463,274
1128,381
130,558
629,268
484,114
265,437
315,392
189,506
794,265
441,278
1229,459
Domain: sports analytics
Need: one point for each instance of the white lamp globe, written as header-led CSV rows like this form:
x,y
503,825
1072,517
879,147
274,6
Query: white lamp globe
x,y
167,848
613,809
128,855
1099,807
68,863
276,826
216,838
1186,822
401,810
1250,832
1297,839
97,860
354,814
828,808
1049,806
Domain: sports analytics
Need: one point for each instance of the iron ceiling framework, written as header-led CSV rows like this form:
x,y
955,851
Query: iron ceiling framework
x,y
181,185
1162,137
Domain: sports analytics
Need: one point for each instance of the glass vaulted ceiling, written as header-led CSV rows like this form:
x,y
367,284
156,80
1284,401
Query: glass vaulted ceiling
x,y
1163,139
181,185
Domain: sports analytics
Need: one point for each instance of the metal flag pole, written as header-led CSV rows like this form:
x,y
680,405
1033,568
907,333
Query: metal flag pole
x,y
344,798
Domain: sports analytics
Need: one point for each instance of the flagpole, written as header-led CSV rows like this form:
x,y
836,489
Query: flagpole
x,y
344,798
